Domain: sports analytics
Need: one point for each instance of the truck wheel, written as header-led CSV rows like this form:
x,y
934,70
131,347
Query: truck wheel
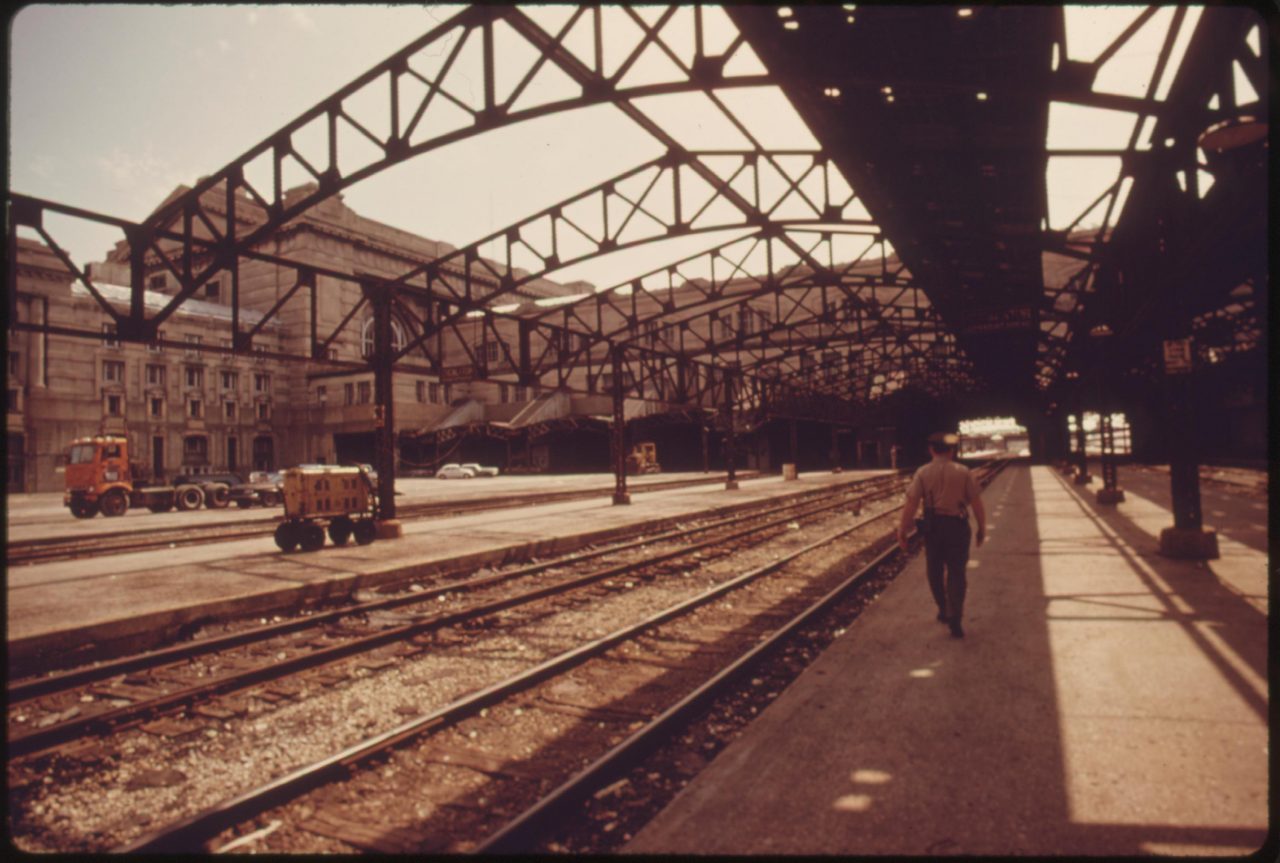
x,y
81,508
159,507
189,497
114,504
244,504
286,536
217,496
365,532
340,530
312,537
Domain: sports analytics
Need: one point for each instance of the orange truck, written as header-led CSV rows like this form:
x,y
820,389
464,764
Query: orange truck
x,y
100,479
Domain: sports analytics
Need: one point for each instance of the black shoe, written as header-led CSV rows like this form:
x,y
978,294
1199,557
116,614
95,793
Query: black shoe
x,y
956,631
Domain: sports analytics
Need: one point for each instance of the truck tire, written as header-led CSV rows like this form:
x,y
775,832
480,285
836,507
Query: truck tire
x,y
311,537
82,508
188,497
286,536
365,532
114,504
217,495
340,530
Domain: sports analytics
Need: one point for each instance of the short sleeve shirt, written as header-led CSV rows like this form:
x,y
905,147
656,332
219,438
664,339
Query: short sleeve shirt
x,y
948,488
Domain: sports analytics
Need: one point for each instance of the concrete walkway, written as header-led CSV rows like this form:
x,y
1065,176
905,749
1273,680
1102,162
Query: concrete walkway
x,y
1106,701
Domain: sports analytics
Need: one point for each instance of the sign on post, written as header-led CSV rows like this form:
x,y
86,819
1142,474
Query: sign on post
x,y
1177,356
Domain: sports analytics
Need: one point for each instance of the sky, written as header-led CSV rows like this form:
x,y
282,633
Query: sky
x,y
111,107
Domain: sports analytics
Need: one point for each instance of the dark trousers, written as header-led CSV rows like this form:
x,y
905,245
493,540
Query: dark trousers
x,y
946,550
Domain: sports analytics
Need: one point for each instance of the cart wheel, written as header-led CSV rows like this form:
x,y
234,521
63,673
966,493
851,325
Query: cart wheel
x,y
218,496
340,530
287,536
311,537
115,504
365,532
83,509
189,497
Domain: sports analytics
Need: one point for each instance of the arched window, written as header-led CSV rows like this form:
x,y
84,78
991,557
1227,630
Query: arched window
x,y
366,337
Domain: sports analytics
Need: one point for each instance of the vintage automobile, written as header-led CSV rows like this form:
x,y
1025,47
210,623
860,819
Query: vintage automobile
x,y
480,470
455,471
264,488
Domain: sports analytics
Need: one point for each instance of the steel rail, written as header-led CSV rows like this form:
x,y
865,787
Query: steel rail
x,y
189,833
39,739
35,687
518,834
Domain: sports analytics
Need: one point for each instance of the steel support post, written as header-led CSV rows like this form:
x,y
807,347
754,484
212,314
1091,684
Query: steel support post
x,y
706,447
618,435
384,412
792,470
1110,493
1082,456
730,439
1187,538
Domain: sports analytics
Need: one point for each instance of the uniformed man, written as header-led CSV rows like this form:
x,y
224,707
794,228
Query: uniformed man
x,y
948,491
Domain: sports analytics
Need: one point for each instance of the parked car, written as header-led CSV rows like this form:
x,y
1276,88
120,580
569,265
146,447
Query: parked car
x,y
455,471
480,470
264,487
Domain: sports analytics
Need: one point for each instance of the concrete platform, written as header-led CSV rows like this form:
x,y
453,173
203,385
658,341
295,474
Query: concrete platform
x,y
1106,701
135,601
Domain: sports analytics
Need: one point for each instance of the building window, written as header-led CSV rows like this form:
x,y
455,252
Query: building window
x,y
420,391
195,408
154,347
109,339
212,289
264,410
651,332
725,328
195,377
433,393
365,390
746,317
263,453
112,372
155,376
113,405
349,393
156,283
195,449
229,410
488,352
230,380
157,408
522,393
15,359
261,383
193,344
366,337
322,394
503,393
331,353
14,403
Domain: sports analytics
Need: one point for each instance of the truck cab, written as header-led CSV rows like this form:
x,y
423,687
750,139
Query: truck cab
x,y
97,476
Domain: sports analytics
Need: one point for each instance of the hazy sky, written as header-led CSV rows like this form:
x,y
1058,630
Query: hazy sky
x,y
113,106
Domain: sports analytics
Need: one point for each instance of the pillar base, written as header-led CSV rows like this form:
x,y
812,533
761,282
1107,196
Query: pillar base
x,y
731,485
390,528
1189,543
789,471
1109,495
1083,479
620,498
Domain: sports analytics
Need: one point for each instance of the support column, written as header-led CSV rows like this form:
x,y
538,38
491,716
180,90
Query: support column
x,y
1110,493
1082,457
618,435
706,450
834,455
730,439
791,470
384,412
1187,538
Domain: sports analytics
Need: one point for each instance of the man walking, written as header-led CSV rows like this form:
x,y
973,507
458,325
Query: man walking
x,y
948,491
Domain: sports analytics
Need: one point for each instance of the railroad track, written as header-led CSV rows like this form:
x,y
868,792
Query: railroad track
x,y
562,656
50,549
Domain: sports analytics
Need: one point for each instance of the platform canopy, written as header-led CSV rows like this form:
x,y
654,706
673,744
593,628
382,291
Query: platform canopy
x,y
985,198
